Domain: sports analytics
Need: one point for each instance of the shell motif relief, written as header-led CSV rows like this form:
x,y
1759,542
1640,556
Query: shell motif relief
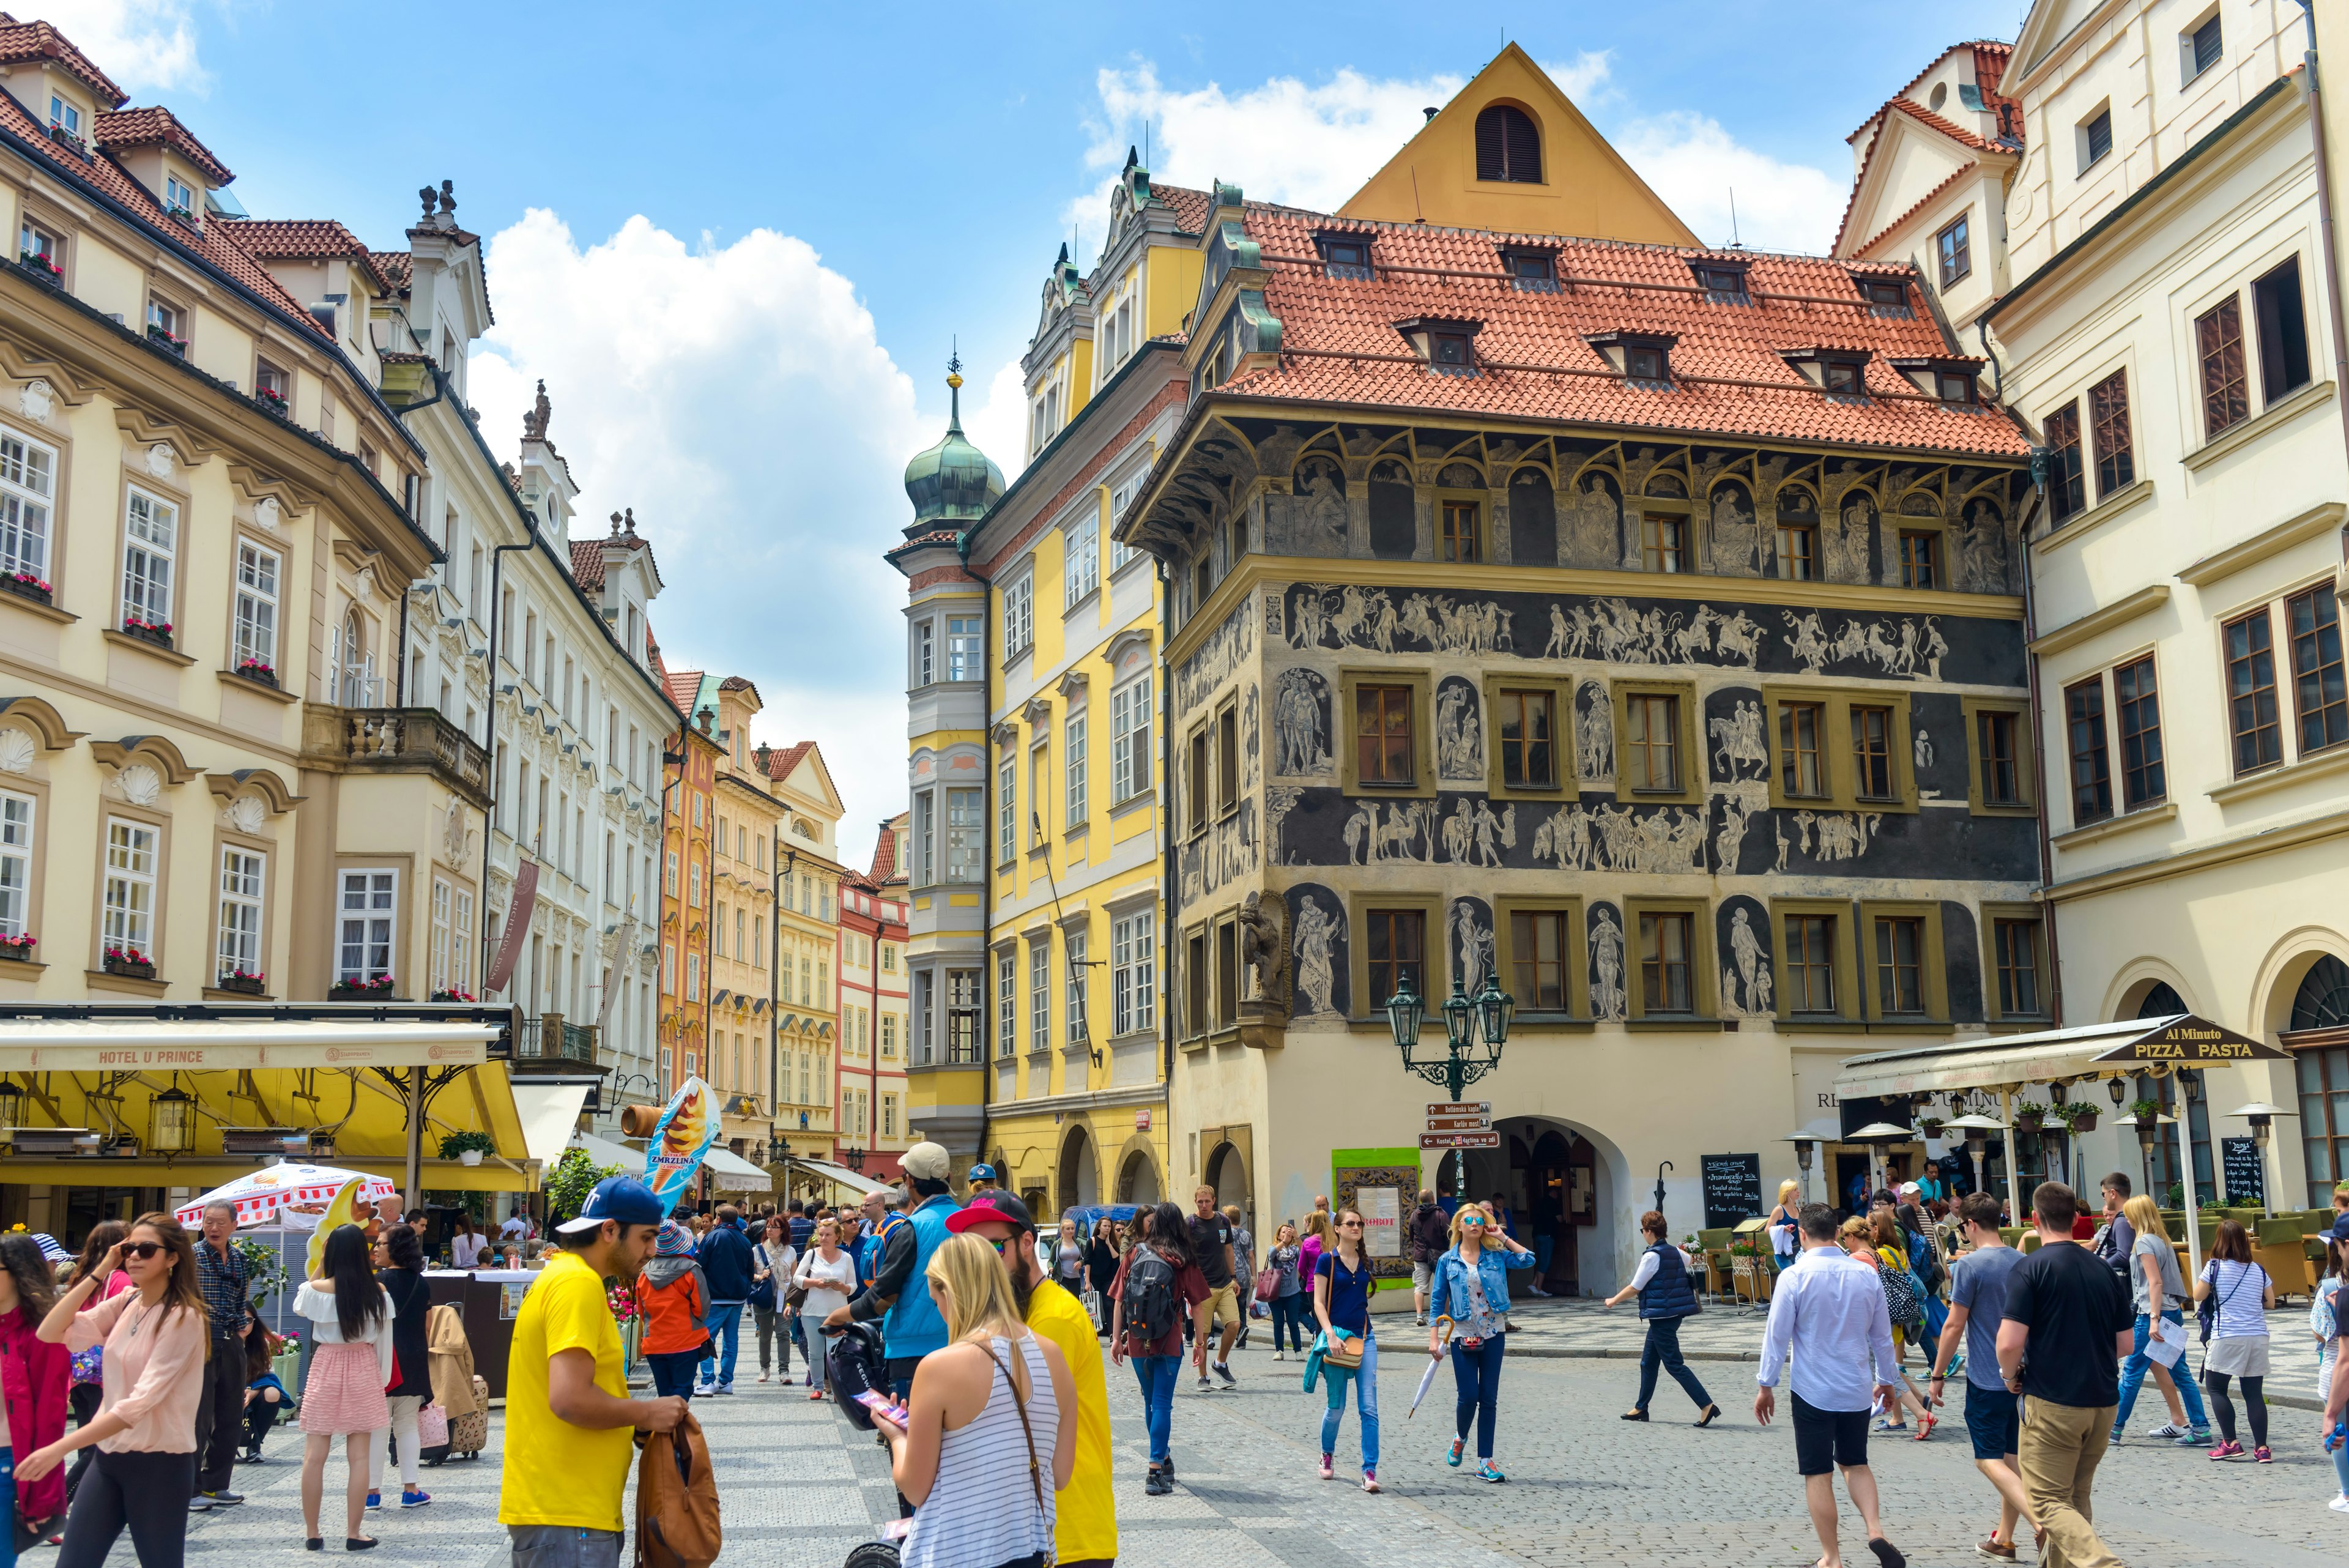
x,y
139,784
246,813
16,750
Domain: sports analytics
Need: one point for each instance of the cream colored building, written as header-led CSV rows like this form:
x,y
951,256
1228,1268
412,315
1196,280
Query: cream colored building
x,y
2170,336
740,1056
809,1047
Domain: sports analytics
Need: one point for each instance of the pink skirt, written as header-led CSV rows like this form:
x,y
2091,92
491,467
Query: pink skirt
x,y
344,1392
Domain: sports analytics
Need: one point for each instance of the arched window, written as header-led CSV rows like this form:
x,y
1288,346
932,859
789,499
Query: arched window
x,y
2323,999
1508,146
2161,1001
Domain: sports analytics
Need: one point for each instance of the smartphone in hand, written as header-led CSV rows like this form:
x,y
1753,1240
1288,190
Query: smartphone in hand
x,y
881,1405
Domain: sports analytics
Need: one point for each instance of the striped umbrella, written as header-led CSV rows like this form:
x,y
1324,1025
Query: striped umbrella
x,y
268,1193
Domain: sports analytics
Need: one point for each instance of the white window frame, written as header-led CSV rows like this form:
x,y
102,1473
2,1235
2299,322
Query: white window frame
x,y
1130,719
964,633
65,116
1080,556
966,839
176,194
1039,992
150,533
367,928
925,652
243,898
18,813
1133,972
1007,811
1072,768
257,572
28,486
926,838
1072,985
133,862
1119,500
1007,1004
461,957
444,899
1018,617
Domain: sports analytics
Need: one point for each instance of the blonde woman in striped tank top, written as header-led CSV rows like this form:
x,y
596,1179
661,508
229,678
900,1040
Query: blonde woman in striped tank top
x,y
985,1446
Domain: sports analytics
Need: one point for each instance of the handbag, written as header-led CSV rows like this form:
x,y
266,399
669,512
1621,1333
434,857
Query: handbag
x,y
394,1383
433,1426
1035,1472
1901,1297
1344,1352
1268,1279
763,1294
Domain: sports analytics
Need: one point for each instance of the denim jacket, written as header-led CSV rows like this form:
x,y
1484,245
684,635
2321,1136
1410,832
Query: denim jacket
x,y
1452,1281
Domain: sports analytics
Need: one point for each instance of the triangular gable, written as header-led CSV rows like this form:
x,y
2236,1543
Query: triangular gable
x,y
810,776
1909,157
2048,25
1586,190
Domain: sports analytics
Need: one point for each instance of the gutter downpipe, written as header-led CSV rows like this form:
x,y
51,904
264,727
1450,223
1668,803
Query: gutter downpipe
x,y
986,825
1167,852
400,676
2038,715
490,732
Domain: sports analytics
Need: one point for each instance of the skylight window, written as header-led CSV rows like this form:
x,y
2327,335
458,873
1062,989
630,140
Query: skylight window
x,y
1643,362
1844,378
1885,296
1344,255
1723,284
1531,271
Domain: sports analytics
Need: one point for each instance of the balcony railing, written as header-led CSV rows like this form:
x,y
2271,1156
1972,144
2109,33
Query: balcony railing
x,y
550,1038
397,740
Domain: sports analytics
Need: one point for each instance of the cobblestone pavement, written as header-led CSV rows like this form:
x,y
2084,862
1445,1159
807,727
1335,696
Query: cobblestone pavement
x,y
801,1488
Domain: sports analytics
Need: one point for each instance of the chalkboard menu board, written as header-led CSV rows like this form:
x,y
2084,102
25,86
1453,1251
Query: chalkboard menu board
x,y
1733,1188
2247,1186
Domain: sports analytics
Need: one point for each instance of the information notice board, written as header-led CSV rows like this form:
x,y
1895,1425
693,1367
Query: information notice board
x,y
2246,1178
1733,1188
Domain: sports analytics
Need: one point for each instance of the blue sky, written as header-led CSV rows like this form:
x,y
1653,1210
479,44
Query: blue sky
x,y
737,239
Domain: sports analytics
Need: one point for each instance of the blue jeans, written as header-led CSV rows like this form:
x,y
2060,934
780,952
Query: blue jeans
x,y
1365,1379
1545,1247
1291,1310
1157,1375
672,1373
726,1338
2134,1369
1477,1377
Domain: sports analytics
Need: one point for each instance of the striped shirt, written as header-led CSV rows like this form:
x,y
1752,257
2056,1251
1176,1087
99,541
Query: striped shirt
x,y
981,1510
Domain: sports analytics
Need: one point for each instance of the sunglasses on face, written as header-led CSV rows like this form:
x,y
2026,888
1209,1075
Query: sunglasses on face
x,y
1350,1224
142,1250
1472,1222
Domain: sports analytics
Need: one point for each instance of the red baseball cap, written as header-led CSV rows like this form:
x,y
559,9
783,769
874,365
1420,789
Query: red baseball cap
x,y
999,1207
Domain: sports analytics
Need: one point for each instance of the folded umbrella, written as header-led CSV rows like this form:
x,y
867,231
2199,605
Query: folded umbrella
x,y
1434,1360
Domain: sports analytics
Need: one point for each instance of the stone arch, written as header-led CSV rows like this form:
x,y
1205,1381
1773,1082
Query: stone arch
x,y
2137,979
1139,1179
1227,1171
1607,1250
2269,1007
1077,1179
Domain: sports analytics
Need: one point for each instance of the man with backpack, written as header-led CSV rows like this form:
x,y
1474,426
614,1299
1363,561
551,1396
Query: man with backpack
x,y
1157,1284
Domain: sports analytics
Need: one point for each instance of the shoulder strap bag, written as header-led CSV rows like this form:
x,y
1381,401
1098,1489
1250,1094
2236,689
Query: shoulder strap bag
x,y
1035,1471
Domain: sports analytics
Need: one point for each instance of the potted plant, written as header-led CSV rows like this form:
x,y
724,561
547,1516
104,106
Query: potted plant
x,y
468,1147
28,584
2148,1116
241,980
377,990
162,335
258,671
17,948
2077,1115
64,138
157,632
1931,1125
2029,1114
454,995
42,267
270,398
125,961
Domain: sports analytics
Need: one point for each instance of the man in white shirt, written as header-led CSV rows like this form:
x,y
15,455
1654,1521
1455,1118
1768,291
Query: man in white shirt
x,y
1828,1309
516,1228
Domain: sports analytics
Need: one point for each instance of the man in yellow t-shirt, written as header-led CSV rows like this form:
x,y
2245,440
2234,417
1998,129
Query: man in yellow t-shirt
x,y
568,1416
1084,1532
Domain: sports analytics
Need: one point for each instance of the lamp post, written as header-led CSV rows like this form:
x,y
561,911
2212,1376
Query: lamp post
x,y
1977,1130
1468,1024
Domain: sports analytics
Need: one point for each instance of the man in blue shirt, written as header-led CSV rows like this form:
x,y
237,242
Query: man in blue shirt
x,y
1994,1413
912,1326
728,1263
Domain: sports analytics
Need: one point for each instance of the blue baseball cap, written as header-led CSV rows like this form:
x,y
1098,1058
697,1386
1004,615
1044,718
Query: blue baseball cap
x,y
2340,1231
620,1197
981,1172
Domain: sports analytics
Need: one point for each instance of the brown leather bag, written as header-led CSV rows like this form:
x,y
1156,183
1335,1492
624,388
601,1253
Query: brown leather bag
x,y
677,1500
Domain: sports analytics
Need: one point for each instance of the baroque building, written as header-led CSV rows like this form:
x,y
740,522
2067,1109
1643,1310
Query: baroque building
x,y
808,1025
1635,626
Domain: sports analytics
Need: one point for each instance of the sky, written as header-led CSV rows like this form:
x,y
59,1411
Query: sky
x,y
740,241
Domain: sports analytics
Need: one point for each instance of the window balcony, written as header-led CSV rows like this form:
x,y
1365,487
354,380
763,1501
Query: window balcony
x,y
396,741
552,1043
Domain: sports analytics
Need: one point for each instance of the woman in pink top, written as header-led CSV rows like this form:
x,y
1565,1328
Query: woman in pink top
x,y
155,1337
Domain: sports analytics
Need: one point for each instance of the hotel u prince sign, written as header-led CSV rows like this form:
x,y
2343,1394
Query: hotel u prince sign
x,y
2186,1040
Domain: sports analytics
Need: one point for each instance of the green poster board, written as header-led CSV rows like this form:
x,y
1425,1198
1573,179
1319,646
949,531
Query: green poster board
x,y
1383,1183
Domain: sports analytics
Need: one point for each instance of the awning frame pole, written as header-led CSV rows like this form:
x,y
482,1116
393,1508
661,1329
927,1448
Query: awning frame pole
x,y
415,1188
2006,1115
2186,1168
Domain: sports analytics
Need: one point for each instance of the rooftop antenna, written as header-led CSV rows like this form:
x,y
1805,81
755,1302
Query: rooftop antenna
x,y
1733,243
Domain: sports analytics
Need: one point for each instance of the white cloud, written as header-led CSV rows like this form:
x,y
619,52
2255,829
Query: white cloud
x,y
735,398
141,44
995,417
1693,164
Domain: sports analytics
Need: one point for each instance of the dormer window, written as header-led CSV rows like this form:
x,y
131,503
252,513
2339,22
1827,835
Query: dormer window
x,y
1643,357
1956,386
1446,347
1643,362
1845,378
271,386
1344,255
64,117
1449,351
167,325
179,200
1534,272
1953,381
41,252
1724,283
1885,296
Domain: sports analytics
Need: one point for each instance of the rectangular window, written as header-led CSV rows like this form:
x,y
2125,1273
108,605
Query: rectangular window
x,y
2252,713
2018,967
1382,735
1663,543
1920,564
693,977
1006,1004
460,959
1196,780
2225,382
1080,560
15,863
1133,974
27,490
1018,617
441,915
2143,777
241,883
1996,736
151,530
257,607
1194,985
1801,770
1528,743
962,647
177,197
1541,944
363,937
2108,416
669,969
2066,489
1072,986
1228,974
1397,947
1227,761
964,826
2319,700
1040,793
1798,552
1129,740
64,116
2096,139
888,1035
1651,741
1460,540
1955,253
888,1116
2202,48
2092,778
692,883
1007,811
2284,332
1871,754
1667,968
925,653
1810,963
1072,768
1843,377
1039,993
1900,965
926,839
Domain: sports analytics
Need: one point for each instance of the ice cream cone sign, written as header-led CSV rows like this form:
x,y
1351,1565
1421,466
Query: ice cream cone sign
x,y
680,1140
343,1209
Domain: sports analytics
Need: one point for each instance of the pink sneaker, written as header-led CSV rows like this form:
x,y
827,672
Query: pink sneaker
x,y
2227,1451
2263,1456
1328,1470
1370,1480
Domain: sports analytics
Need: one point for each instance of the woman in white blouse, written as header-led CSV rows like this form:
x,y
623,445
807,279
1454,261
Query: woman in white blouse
x,y
351,1362
468,1245
828,1276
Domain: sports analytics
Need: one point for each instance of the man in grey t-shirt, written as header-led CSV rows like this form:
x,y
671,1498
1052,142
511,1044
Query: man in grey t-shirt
x,y
1993,1415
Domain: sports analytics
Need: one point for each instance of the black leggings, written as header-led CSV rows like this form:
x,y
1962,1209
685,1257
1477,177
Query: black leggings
x,y
149,1492
2255,1401
84,1399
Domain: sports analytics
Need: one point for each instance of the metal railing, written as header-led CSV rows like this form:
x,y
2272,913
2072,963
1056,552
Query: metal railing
x,y
549,1038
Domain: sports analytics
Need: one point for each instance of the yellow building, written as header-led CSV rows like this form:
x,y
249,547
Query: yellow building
x,y
742,993
807,1020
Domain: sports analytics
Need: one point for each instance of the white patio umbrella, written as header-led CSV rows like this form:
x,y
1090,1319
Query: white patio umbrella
x,y
286,1194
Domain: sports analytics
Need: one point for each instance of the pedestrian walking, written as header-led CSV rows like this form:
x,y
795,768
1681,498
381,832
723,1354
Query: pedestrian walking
x,y
990,1411
1469,1278
568,1414
1289,1298
1828,1312
1103,1255
34,1376
412,1387
2158,1295
2241,1292
1243,1273
1782,1229
266,1396
350,1364
728,1264
1428,1235
225,1279
1068,1263
155,1335
2067,1326
802,1226
87,1390
772,1264
1157,1288
1084,1527
1211,1244
899,1292
2116,1237
1667,1298
1857,1236
2328,1322
1319,1240
1993,1417
828,1276
1342,1283
674,1298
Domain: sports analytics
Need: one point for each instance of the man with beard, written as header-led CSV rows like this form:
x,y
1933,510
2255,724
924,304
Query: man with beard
x,y
1084,1533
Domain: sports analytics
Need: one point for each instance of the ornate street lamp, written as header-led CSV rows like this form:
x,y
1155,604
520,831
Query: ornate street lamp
x,y
1468,1024
172,1124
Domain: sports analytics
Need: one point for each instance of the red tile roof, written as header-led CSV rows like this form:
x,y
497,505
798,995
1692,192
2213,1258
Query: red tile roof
x,y
149,127
885,859
28,43
587,564
1528,338
302,239
1991,59
683,687
397,268
782,761
1191,207
1923,115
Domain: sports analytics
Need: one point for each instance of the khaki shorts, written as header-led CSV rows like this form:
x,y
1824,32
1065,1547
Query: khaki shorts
x,y
1222,1305
1423,1276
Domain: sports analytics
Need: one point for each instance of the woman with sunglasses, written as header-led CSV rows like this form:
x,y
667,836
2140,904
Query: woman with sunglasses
x,y
1342,1283
1470,1297
156,1334
1666,1295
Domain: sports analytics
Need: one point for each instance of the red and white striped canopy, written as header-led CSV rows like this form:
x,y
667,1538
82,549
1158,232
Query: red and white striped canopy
x,y
265,1195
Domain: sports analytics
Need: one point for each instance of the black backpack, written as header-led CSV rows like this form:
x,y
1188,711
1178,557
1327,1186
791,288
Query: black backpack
x,y
1148,1299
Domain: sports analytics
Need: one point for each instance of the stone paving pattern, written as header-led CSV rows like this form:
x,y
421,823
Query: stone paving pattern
x,y
801,1487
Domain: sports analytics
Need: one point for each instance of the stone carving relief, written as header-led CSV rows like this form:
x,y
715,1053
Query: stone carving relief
x,y
1607,1000
1459,731
1300,724
1198,676
267,513
1279,801
1470,831
1260,949
1470,932
1909,648
160,461
1609,837
138,783
248,814
1449,627
1317,952
1740,545
1251,739
35,399
1738,743
1594,733
1824,836
1746,982
16,750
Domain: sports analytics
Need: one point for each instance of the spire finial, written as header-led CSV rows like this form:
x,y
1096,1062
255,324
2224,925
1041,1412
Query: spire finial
x,y
954,383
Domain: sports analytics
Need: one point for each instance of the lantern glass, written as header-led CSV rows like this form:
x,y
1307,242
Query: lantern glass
x,y
1457,1011
1405,1012
173,1129
1494,1008
2113,1087
12,1102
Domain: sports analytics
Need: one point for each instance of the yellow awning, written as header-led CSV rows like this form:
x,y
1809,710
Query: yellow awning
x,y
197,1045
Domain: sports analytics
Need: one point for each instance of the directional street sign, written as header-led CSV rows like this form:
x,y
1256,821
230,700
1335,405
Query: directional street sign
x,y
1464,1109
1459,1124
1460,1141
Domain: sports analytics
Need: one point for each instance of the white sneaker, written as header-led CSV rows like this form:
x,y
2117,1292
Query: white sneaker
x,y
2339,1504
1539,1290
2168,1431
1281,1355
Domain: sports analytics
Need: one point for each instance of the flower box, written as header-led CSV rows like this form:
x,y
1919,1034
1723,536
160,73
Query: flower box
x,y
270,398
454,996
176,345
247,984
16,950
66,138
181,215
2029,1121
361,990
129,963
2083,1123
42,267
260,674
27,586
157,632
